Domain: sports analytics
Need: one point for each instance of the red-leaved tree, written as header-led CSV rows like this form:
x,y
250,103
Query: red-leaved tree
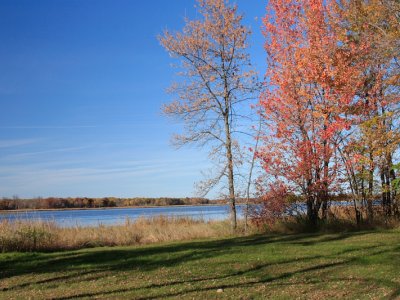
x,y
313,76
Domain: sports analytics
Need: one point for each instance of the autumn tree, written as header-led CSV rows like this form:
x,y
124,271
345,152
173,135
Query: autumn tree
x,y
313,81
217,81
377,24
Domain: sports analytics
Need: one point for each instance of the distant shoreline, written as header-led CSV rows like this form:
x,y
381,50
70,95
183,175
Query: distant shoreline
x,y
105,208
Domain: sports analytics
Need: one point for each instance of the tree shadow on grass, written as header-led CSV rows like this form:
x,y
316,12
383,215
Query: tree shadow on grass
x,y
146,258
74,277
97,261
249,271
221,286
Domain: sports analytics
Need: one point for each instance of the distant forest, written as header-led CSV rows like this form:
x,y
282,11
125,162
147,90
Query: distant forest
x,y
16,203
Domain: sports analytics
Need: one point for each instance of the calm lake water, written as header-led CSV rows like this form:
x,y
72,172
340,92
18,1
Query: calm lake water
x,y
94,217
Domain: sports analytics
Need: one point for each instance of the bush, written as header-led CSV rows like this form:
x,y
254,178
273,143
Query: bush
x,y
272,207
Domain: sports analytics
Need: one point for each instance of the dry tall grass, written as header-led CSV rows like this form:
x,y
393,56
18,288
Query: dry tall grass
x,y
340,219
47,236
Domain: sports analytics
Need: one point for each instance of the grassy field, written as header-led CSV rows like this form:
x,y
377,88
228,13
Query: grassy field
x,y
362,265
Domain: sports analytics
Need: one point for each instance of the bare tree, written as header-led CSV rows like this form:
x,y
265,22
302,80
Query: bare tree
x,y
218,80
252,164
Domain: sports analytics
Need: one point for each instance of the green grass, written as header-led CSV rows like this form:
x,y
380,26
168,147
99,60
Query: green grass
x,y
361,265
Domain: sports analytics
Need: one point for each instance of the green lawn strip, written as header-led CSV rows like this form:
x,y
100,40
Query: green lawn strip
x,y
308,266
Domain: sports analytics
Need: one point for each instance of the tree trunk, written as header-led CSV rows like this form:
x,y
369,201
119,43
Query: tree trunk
x,y
253,159
357,207
388,189
325,208
325,194
385,200
229,157
312,212
358,212
370,199
394,209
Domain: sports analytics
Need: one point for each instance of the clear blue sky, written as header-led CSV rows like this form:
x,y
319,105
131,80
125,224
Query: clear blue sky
x,y
81,86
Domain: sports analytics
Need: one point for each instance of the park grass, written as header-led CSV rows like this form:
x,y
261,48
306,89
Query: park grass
x,y
353,265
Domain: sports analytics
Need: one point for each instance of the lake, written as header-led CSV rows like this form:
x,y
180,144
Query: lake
x,y
113,216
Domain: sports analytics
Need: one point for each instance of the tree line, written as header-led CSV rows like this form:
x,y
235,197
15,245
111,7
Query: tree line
x,y
85,202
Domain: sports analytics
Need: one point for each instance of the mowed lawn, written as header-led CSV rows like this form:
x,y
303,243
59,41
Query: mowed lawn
x,y
360,265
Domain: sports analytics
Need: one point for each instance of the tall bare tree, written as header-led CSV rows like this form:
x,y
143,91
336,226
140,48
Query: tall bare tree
x,y
217,81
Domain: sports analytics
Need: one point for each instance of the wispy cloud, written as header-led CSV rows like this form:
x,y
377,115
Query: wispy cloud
x,y
127,125
16,143
49,127
26,179
56,150
136,168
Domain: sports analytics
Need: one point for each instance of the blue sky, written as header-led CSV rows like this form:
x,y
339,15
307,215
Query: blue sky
x,y
81,86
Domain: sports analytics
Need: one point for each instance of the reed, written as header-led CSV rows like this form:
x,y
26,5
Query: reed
x,y
48,236
339,220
